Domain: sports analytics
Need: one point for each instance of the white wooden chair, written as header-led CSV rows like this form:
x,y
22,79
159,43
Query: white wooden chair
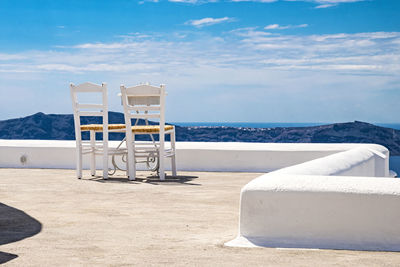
x,y
147,102
93,147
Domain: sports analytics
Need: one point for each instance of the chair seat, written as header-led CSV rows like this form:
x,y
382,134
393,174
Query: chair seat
x,y
135,129
150,128
99,127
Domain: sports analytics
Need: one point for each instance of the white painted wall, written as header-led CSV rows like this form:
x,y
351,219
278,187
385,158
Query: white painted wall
x,y
191,156
326,212
324,203
371,160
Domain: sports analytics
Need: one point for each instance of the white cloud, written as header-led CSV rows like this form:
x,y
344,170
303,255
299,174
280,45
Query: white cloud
x,y
207,21
241,47
320,3
261,1
185,1
325,5
281,27
332,1
106,46
7,57
272,27
182,1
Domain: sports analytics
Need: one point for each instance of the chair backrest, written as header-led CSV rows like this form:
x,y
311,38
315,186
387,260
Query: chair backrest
x,y
143,102
89,109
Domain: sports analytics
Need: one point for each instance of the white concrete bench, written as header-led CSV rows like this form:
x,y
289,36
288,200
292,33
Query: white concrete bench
x,y
317,204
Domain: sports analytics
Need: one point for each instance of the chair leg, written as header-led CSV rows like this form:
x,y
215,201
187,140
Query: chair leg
x,y
162,168
79,160
173,158
130,144
105,160
92,154
162,159
127,165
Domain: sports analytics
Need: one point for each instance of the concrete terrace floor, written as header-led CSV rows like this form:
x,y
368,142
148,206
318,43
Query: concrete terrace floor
x,y
50,218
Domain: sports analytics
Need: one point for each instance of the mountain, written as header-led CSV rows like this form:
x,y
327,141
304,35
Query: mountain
x,y
350,132
53,126
61,127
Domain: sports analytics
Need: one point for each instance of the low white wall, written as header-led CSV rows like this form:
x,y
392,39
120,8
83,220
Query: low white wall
x,y
371,161
191,156
323,204
38,154
326,212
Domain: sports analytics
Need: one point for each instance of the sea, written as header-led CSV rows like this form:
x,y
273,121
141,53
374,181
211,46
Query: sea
x,y
269,124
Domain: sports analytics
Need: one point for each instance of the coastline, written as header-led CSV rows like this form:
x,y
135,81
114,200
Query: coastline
x,y
395,126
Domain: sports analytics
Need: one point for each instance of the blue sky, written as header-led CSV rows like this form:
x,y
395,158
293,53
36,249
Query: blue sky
x,y
255,61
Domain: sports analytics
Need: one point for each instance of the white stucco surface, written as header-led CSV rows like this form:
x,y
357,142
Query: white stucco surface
x,y
191,156
370,160
325,212
333,202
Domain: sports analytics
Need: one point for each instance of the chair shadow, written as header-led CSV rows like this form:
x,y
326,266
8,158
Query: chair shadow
x,y
15,225
169,180
150,179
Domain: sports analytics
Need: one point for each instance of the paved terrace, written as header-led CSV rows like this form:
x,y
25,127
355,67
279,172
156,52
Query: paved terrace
x,y
49,218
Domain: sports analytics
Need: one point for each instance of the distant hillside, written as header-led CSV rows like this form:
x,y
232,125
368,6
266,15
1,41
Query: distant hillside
x,y
61,127
48,126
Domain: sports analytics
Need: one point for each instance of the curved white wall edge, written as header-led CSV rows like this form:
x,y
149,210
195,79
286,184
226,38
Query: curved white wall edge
x,y
370,160
324,212
322,204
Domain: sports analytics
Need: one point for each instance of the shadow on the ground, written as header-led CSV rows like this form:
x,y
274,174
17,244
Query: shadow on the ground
x,y
152,179
15,225
4,257
181,179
